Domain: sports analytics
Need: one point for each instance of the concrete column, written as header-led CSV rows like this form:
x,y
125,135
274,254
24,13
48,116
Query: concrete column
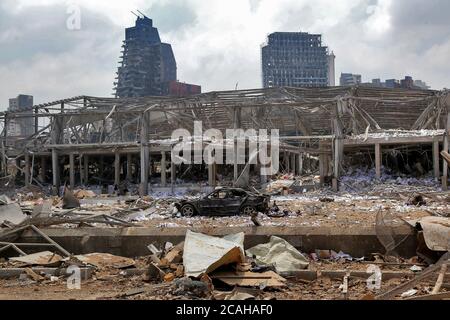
x,y
445,148
27,168
129,167
80,168
72,170
172,173
101,165
55,169
43,168
163,169
117,168
436,157
378,160
263,179
322,160
86,168
235,162
212,175
300,164
337,157
287,161
293,161
36,120
145,150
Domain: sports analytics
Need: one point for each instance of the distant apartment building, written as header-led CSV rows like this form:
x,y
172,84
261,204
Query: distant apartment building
x,y
147,65
421,84
296,59
349,79
21,126
407,83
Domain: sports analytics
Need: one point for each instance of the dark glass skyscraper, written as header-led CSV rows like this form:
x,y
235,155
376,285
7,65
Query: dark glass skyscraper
x,y
146,63
295,59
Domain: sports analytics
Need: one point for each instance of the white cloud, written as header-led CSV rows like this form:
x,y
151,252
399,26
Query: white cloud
x,y
217,44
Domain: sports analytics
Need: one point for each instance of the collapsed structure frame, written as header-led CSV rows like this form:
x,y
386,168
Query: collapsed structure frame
x,y
323,122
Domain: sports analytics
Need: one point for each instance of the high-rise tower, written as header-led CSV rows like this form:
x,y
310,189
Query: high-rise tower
x,y
146,63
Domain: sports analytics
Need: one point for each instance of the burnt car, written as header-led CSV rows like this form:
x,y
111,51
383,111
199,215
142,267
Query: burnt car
x,y
225,201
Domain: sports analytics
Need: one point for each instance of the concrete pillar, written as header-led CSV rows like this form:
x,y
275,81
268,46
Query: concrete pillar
x,y
80,168
43,169
338,156
212,175
293,164
445,148
288,161
263,179
322,160
378,160
36,120
27,168
145,150
129,167
436,157
86,169
300,164
55,169
117,168
101,165
172,173
235,162
163,169
72,170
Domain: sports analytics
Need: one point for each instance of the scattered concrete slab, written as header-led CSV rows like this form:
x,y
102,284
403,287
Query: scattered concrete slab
x,y
44,258
204,254
11,212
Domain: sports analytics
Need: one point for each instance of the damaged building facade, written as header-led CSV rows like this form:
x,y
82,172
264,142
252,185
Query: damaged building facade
x,y
148,66
296,59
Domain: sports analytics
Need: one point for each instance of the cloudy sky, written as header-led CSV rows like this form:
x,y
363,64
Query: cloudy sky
x,y
216,43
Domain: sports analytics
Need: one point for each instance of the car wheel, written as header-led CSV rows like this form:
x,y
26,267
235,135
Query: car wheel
x,y
248,210
187,210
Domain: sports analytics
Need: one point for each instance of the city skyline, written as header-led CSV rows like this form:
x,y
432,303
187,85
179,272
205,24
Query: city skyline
x,y
216,46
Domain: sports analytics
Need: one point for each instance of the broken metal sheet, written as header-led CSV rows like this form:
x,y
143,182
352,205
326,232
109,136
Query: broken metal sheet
x,y
102,260
44,258
436,232
279,253
204,254
250,279
11,212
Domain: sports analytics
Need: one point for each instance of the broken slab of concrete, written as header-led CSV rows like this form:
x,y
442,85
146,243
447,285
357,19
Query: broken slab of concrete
x,y
204,254
44,258
250,279
6,273
11,212
436,232
103,260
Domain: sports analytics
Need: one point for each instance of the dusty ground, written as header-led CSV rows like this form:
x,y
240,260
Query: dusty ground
x,y
341,210
110,284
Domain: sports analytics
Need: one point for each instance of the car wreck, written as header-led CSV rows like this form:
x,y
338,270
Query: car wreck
x,y
225,201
